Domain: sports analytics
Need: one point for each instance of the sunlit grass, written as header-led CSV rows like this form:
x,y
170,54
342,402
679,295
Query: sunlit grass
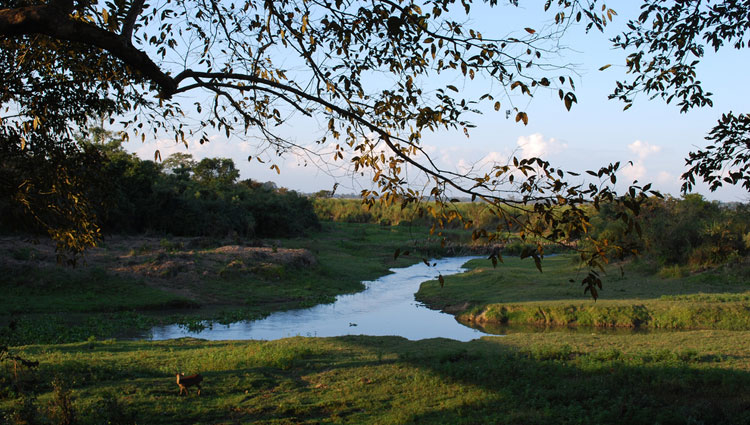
x,y
516,293
548,378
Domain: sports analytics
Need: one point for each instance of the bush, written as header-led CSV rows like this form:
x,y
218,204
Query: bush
x,y
679,232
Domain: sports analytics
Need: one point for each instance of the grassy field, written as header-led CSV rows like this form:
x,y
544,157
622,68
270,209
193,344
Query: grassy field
x,y
633,295
697,377
131,284
530,376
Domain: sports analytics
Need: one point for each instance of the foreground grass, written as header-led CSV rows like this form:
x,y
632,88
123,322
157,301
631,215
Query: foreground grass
x,y
57,304
515,293
545,378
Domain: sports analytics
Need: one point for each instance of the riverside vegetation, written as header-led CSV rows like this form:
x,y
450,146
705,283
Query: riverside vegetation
x,y
67,320
515,293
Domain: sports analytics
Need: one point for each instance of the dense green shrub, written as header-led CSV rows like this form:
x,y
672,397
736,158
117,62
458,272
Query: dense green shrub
x,y
181,197
687,231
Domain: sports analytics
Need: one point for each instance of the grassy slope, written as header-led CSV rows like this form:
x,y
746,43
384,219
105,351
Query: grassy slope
x,y
61,304
552,378
515,292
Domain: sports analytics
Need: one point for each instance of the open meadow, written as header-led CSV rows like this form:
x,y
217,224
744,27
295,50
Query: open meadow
x,y
679,353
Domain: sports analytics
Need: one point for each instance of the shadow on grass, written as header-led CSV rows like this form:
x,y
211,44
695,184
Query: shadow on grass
x,y
391,380
558,385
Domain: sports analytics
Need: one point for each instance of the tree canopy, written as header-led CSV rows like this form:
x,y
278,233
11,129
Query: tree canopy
x,y
376,75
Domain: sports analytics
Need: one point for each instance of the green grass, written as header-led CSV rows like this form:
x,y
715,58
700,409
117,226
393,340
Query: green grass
x,y
552,378
30,291
515,293
532,375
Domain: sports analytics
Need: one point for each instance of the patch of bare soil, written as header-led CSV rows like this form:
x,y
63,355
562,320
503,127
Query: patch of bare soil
x,y
176,265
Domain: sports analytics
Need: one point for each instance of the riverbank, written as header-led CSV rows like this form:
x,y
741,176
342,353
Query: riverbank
x,y
546,378
130,284
633,296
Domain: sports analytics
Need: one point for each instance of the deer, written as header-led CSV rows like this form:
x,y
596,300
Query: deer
x,y
186,382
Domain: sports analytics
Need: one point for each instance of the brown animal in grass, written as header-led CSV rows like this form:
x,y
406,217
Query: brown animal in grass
x,y
186,382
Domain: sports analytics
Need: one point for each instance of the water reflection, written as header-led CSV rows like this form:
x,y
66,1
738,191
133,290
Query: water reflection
x,y
386,307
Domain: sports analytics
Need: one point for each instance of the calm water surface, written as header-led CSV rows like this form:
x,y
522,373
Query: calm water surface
x,y
386,307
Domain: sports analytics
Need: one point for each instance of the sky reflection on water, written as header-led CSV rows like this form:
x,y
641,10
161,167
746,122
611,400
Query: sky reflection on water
x,y
386,307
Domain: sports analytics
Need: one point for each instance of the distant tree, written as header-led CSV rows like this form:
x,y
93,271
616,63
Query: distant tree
x,y
179,163
218,171
322,194
667,43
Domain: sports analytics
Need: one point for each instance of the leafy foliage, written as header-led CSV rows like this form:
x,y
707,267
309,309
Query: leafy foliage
x,y
204,200
725,161
377,75
46,190
668,41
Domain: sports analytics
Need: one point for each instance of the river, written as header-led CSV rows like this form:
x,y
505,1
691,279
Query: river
x,y
386,307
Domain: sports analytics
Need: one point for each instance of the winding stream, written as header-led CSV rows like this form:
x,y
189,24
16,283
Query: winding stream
x,y
386,307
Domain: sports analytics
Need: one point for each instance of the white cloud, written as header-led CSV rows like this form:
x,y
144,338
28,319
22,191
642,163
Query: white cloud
x,y
666,178
634,171
464,166
536,146
429,149
643,149
495,158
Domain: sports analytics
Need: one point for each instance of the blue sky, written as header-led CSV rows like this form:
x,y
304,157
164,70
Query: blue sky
x,y
653,135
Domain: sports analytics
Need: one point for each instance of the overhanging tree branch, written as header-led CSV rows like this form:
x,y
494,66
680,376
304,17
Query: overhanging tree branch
x,y
368,68
129,22
55,23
